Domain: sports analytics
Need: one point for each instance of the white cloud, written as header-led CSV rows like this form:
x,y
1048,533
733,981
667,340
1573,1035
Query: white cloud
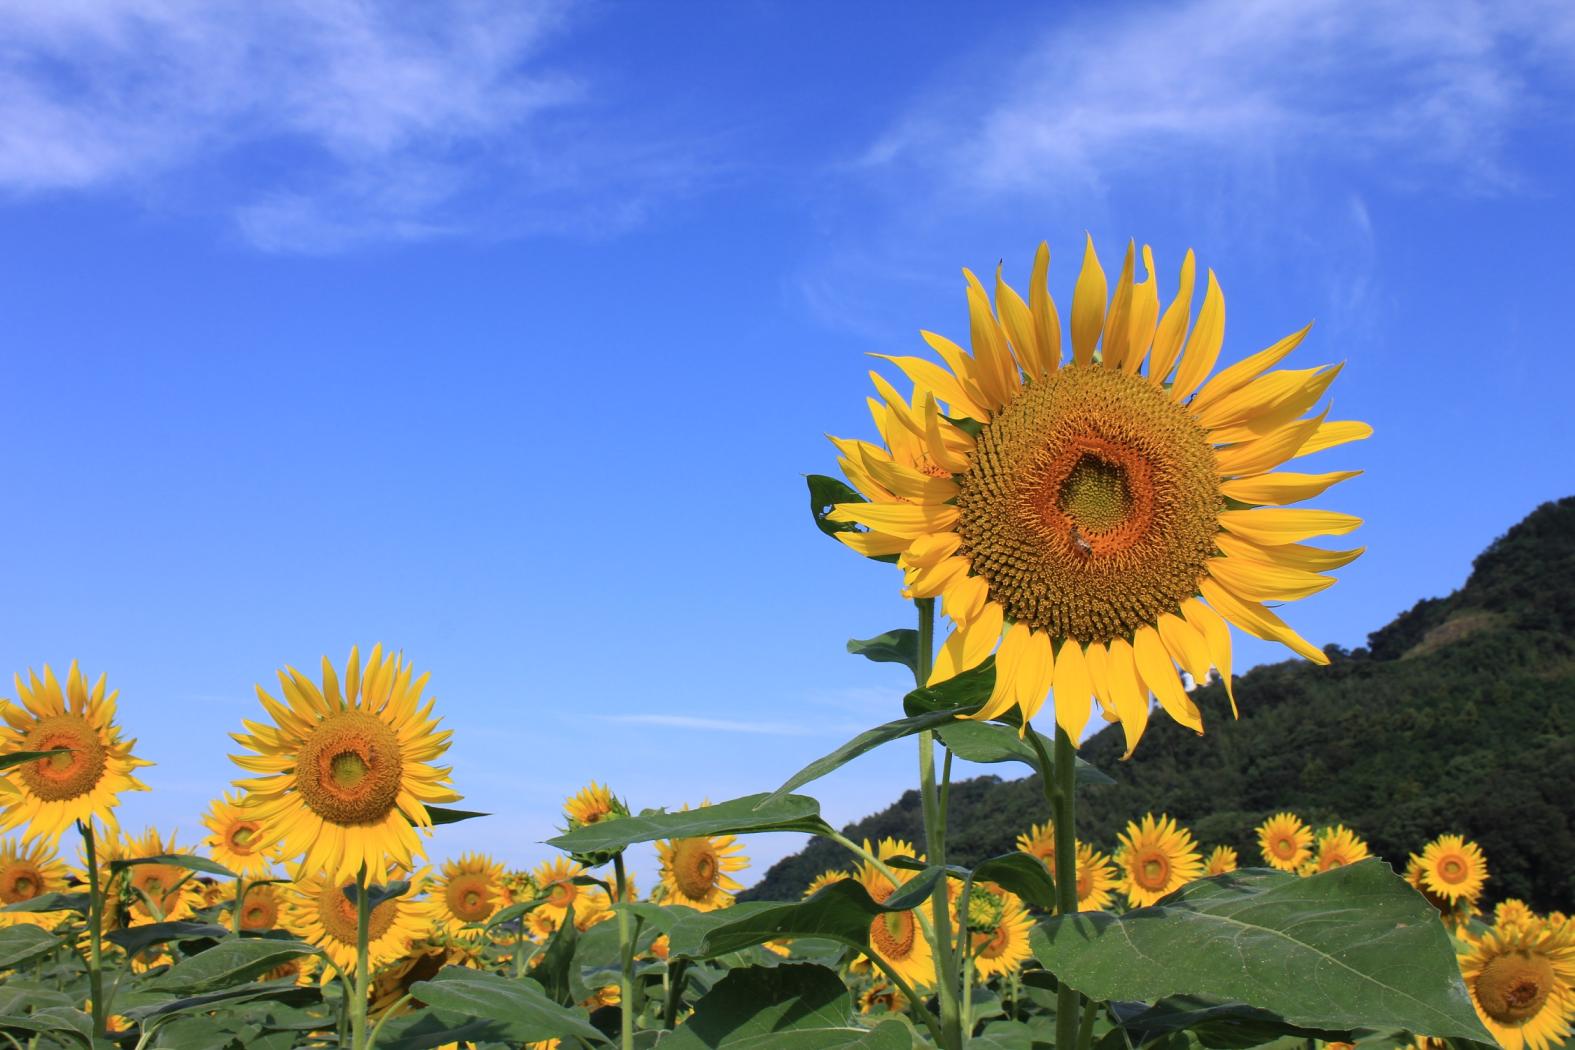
x,y
316,124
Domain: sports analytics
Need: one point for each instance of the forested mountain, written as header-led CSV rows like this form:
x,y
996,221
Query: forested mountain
x,y
1457,716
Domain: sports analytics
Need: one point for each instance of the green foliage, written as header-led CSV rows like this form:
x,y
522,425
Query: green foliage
x,y
793,1007
738,816
519,1009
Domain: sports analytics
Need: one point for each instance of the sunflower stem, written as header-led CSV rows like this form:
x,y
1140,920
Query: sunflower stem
x,y
95,931
915,1001
240,897
1060,786
625,959
363,925
935,843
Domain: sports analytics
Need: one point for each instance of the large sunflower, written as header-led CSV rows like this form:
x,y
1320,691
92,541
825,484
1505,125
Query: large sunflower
x,y
45,797
695,871
1094,523
897,936
1096,878
999,927
346,778
1156,857
468,891
1453,868
321,912
1285,841
1522,982
235,841
29,870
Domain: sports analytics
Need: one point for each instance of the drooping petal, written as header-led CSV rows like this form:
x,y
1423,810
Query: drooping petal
x,y
1258,582
1073,690
1217,636
1126,689
898,519
968,645
1257,620
1153,663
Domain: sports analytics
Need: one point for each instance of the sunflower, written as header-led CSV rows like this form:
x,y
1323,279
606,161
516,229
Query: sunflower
x,y
1097,521
468,891
1522,982
829,877
695,870
1337,847
896,936
323,913
882,997
29,870
1156,857
1285,841
540,923
1454,868
555,881
998,927
1096,878
234,842
1512,911
660,947
157,892
592,804
1454,914
346,778
45,797
261,908
1223,859
1039,841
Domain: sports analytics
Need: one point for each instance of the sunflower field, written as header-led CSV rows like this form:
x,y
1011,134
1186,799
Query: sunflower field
x,y
1079,513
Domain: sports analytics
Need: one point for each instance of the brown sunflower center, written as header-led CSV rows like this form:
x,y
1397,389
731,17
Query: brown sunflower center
x,y
1151,870
70,775
1333,858
1284,847
469,897
561,894
695,867
260,912
1085,883
338,916
892,934
1452,870
1513,987
159,883
1090,504
991,944
20,881
350,769
241,835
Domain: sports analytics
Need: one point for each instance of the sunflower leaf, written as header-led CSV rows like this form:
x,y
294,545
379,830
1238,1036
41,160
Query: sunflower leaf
x,y
520,1006
443,815
24,941
52,902
1351,947
377,894
1214,1023
134,939
176,860
868,740
824,494
514,911
739,816
787,1007
993,742
1019,873
557,960
961,694
16,758
226,964
894,647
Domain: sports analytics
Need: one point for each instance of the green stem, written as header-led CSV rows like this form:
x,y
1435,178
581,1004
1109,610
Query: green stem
x,y
967,996
675,978
95,931
625,959
1060,787
1085,1027
935,844
915,1003
377,1029
240,903
363,925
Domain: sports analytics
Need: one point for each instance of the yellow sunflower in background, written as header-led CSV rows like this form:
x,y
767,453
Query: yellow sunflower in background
x,y
1453,868
29,870
1522,982
262,908
998,925
321,912
1156,857
896,936
1285,841
554,880
158,892
1099,522
541,924
1097,877
1223,859
592,804
882,997
1513,912
1039,841
235,840
346,778
1337,847
467,891
46,796
695,871
1453,914
829,877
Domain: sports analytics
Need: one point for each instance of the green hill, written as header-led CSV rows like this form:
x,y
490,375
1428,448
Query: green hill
x,y
1455,717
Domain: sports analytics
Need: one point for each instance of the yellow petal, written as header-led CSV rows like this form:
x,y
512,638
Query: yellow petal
x,y
899,519
1126,689
1186,645
1118,320
1258,582
968,645
1242,372
943,384
1275,525
1282,488
1098,661
965,368
1035,676
1073,690
1296,555
1014,646
1335,432
927,582
997,371
1153,663
1145,312
965,599
1047,320
1018,321
942,451
1173,325
1280,407
1269,451
1203,347
1088,306
852,463
874,544
908,483
1216,635
929,551
1258,621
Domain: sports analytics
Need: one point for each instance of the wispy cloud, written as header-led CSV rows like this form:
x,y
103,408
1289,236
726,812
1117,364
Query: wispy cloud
x,y
719,725
319,124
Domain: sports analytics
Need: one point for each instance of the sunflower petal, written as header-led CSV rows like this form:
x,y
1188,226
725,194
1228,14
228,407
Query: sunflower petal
x,y
1282,488
932,377
1035,676
1295,555
1073,690
1269,451
1144,314
1231,379
1173,325
1258,582
1216,635
968,645
1335,432
1127,692
1203,347
1018,321
1047,320
1153,663
898,519
1088,306
1258,621
1275,525
997,371
1118,319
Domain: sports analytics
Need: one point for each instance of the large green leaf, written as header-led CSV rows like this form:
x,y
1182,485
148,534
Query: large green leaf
x,y
1354,947
993,742
226,964
56,1021
16,758
1021,874
444,815
1220,1026
825,493
134,939
735,817
865,741
790,1007
145,1007
520,1004
959,694
24,941
177,860
842,912
894,647
52,902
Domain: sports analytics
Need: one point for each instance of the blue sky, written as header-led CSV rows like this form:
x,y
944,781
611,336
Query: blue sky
x,y
505,336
